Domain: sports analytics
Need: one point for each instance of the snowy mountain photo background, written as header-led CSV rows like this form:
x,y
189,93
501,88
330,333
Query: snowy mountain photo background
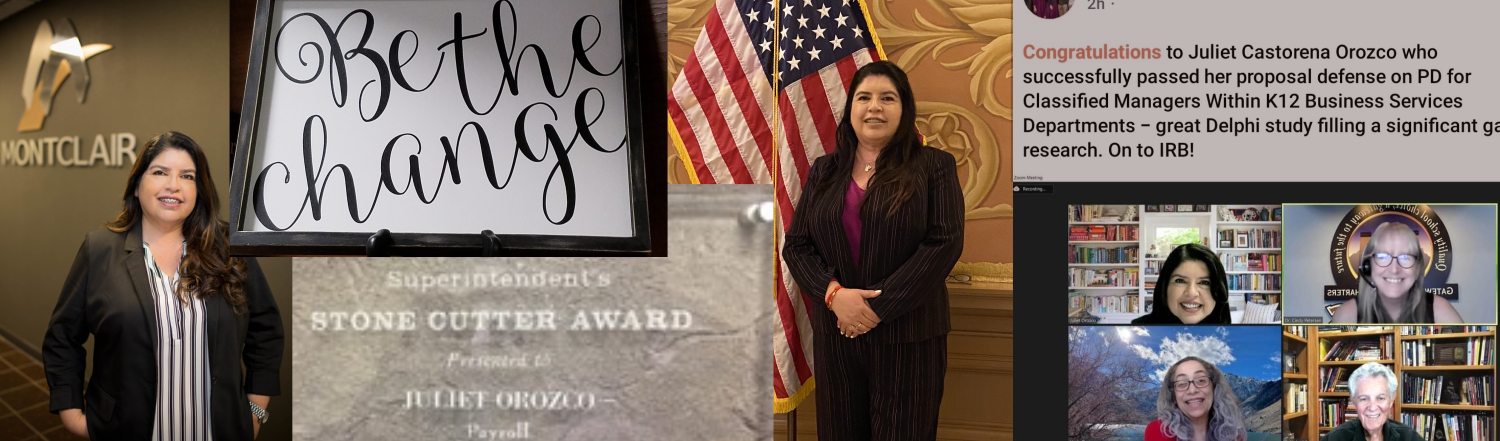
x,y
1114,373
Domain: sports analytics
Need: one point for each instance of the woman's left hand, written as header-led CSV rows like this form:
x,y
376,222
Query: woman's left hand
x,y
262,401
852,328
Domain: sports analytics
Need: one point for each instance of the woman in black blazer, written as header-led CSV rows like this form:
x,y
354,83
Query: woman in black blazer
x,y
172,315
876,231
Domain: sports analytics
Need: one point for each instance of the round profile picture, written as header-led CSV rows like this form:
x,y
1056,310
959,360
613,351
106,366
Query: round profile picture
x,y
1049,8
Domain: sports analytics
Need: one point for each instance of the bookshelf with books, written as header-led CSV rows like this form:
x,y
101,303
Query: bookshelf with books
x,y
1104,264
1446,376
1294,376
1116,252
1448,381
1248,241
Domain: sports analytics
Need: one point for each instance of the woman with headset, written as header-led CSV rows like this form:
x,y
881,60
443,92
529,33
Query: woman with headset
x,y
1390,290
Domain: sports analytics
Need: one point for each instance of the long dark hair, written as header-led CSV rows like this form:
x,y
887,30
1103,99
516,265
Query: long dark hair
x,y
1218,285
895,174
206,270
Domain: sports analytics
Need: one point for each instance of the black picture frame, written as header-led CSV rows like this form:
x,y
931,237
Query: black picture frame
x,y
1200,208
1153,208
282,243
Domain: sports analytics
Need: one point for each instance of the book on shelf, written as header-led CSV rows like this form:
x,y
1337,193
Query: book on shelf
x,y
1104,277
1367,348
1103,232
1118,304
1434,330
1094,254
1300,331
1103,213
1471,390
1254,282
1296,397
1265,299
1472,351
1337,329
1451,426
1334,379
1335,411
1250,238
1251,261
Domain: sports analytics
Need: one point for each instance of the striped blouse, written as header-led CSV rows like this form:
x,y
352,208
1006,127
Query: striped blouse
x,y
181,360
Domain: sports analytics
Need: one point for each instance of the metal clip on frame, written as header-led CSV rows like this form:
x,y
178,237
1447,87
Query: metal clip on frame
x,y
379,244
491,244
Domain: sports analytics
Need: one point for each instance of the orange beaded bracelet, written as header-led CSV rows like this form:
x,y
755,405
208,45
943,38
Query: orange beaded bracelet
x,y
829,298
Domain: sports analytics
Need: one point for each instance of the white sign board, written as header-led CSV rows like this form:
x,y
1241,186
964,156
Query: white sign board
x,y
442,117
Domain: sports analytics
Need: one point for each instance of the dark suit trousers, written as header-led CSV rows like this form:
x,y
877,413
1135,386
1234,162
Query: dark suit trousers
x,y
879,391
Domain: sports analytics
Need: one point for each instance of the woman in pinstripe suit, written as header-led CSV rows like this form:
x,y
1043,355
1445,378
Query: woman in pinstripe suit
x,y
876,232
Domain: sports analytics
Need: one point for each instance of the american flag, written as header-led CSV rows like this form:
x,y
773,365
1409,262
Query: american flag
x,y
822,43
720,106
723,124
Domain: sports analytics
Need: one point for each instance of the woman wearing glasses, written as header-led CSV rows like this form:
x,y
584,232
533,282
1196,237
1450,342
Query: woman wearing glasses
x,y
1196,404
1391,269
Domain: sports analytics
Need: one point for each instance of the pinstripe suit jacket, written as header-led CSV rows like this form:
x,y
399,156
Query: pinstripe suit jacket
x,y
907,255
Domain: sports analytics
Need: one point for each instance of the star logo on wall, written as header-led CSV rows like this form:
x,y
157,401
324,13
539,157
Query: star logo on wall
x,y
55,54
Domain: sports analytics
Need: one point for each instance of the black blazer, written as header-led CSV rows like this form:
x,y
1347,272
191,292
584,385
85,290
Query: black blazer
x,y
907,256
107,294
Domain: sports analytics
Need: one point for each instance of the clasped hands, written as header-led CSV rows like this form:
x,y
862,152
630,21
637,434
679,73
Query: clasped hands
x,y
853,309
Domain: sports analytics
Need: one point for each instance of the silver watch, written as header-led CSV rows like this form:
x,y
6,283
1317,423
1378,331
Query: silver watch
x,y
260,414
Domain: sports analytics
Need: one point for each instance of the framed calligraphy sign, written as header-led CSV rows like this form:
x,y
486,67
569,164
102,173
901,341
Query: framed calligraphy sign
x,y
437,120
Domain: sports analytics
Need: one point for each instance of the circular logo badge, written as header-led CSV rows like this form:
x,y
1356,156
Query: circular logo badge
x,y
1356,228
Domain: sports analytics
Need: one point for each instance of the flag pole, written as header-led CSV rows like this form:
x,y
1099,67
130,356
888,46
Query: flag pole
x,y
791,425
791,415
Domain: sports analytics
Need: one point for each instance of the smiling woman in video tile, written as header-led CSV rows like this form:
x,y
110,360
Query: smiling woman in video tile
x,y
1195,290
1390,289
1196,403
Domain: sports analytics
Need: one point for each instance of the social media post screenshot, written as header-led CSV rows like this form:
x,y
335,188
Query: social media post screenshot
x,y
1183,91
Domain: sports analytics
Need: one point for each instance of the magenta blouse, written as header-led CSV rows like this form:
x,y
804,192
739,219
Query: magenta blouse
x,y
852,199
